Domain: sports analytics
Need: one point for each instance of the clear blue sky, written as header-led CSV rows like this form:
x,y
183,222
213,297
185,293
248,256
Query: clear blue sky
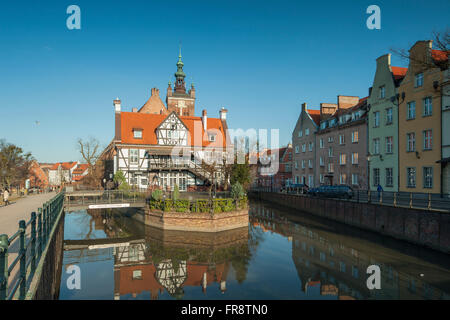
x,y
259,59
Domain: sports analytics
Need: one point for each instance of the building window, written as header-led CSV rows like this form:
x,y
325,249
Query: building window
x,y
355,136
137,134
212,137
300,133
382,92
303,164
330,151
296,164
330,139
144,181
389,116
389,144
341,139
342,178
376,119
427,140
355,158
389,177
411,110
411,177
376,146
427,107
304,147
137,274
310,146
310,180
342,159
354,178
410,142
296,149
331,167
321,178
418,81
134,156
307,132
310,164
321,161
428,177
321,143
376,176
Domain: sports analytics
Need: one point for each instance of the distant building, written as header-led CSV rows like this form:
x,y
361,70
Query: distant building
x,y
445,124
274,168
80,172
342,143
304,146
38,177
61,173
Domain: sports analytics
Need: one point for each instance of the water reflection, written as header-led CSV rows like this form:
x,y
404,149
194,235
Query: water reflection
x,y
281,255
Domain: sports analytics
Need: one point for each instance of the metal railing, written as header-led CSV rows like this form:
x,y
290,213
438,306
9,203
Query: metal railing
x,y
30,250
417,200
84,198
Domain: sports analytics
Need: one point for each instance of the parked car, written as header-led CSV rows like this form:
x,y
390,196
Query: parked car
x,y
339,191
298,188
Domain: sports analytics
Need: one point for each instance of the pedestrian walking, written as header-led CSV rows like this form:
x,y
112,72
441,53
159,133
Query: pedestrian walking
x,y
6,197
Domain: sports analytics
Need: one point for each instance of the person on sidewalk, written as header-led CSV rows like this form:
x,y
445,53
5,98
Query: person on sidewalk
x,y
6,197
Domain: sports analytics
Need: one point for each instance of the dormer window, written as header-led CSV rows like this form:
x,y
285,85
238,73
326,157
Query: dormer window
x,y
137,133
212,137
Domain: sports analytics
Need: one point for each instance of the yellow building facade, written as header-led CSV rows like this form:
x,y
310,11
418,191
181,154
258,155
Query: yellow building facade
x,y
420,122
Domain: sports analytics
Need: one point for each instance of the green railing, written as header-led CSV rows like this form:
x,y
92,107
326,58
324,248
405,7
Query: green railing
x,y
30,250
203,205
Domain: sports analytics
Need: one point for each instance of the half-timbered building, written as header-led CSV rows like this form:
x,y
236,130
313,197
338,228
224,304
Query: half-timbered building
x,y
165,146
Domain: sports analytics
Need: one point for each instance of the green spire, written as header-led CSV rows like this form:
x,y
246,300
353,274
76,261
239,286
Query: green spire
x,y
180,64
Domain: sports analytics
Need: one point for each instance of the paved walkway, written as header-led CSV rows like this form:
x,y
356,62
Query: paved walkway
x,y
20,209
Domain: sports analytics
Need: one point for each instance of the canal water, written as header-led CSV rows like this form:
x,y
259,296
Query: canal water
x,y
283,254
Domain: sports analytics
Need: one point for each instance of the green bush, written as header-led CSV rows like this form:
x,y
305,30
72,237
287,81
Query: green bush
x,y
156,194
237,191
176,193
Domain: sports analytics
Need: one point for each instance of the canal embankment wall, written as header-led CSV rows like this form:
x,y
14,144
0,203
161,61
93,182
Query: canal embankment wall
x,y
46,280
423,227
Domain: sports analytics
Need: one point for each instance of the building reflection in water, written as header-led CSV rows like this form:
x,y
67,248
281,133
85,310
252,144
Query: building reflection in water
x,y
334,264
172,260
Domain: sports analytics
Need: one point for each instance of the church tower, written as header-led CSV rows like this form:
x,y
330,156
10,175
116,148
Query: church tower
x,y
177,99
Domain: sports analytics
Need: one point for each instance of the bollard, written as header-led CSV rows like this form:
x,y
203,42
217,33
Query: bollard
x,y
33,242
429,201
368,196
410,200
4,244
23,259
395,199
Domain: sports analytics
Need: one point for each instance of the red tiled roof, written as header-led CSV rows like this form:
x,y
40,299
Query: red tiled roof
x,y
149,123
398,72
439,55
81,168
315,115
65,165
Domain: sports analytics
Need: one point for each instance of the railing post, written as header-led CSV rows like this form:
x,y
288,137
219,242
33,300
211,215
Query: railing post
x,y
368,196
39,231
395,199
381,197
410,200
23,259
33,242
429,201
4,244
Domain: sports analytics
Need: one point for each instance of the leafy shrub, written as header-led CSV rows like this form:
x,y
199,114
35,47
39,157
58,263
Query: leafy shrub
x,y
176,193
156,194
237,191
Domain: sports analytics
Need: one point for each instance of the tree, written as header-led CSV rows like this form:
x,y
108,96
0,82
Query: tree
x,y
441,41
15,165
90,152
121,181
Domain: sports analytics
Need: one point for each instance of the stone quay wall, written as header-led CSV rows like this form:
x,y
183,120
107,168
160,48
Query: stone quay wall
x,y
426,228
202,222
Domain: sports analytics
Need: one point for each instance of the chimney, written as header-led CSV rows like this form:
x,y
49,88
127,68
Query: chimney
x,y
118,117
204,120
116,104
303,107
223,113
134,110
155,92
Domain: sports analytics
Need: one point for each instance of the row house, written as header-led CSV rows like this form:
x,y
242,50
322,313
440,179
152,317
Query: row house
x,y
420,121
164,146
80,172
342,143
61,173
445,125
274,168
303,141
383,125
